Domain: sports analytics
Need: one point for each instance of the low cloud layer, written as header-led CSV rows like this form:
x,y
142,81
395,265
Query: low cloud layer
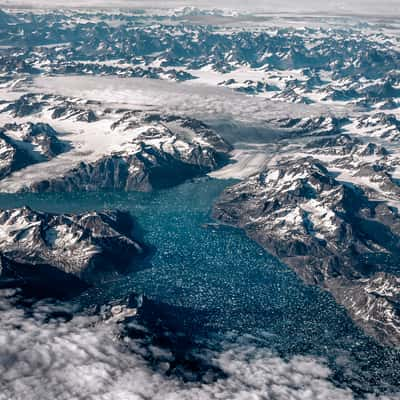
x,y
236,116
216,105
51,359
191,98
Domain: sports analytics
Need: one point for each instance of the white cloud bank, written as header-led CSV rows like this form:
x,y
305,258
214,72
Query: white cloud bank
x,y
196,100
81,360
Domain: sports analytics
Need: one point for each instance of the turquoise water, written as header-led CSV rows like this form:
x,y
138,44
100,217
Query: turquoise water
x,y
221,282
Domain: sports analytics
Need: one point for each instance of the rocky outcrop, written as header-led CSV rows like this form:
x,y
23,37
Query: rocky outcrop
x,y
26,105
147,169
338,145
12,158
25,144
373,303
309,126
330,233
166,152
122,150
70,110
47,250
40,138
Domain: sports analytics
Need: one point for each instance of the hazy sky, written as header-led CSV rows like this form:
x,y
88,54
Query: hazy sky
x,y
371,7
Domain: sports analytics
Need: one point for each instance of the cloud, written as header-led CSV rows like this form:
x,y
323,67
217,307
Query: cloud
x,y
213,104
44,358
182,97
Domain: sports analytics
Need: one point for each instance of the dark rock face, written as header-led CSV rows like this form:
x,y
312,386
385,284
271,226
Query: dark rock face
x,y
46,250
150,150
341,144
309,126
25,144
70,110
39,135
24,106
373,303
160,157
330,233
12,158
144,171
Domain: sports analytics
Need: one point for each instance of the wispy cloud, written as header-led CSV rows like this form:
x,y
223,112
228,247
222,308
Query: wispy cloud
x,y
196,100
236,116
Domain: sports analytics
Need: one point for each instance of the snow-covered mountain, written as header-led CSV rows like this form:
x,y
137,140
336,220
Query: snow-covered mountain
x,y
357,64
97,147
329,232
64,253
320,186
